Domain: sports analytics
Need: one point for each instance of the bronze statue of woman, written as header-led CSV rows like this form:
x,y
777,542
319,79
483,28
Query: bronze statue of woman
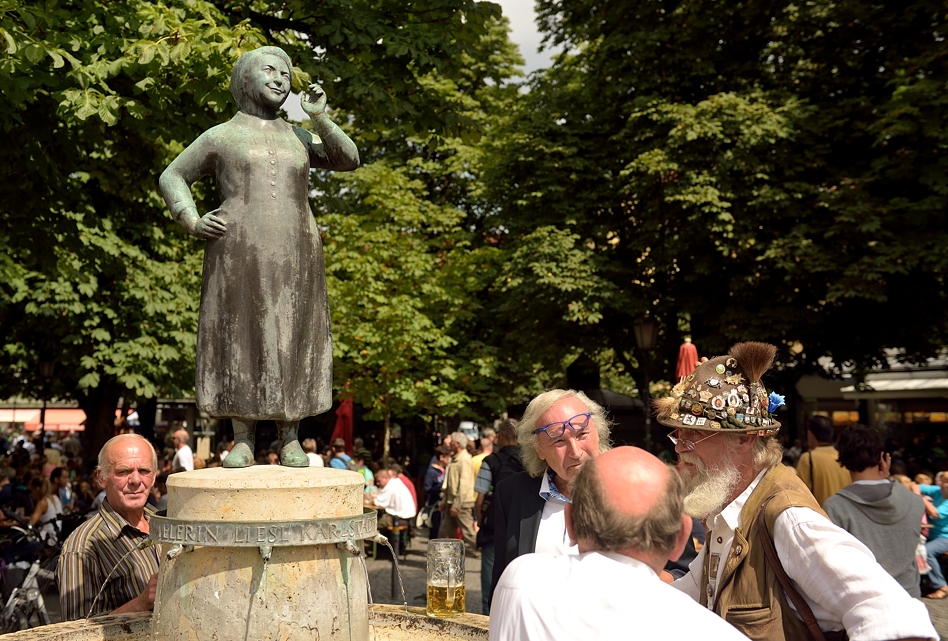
x,y
264,348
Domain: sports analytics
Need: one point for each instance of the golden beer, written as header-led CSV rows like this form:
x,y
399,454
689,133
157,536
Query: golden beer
x,y
445,603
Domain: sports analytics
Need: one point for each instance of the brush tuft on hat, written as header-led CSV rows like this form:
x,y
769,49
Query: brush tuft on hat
x,y
755,358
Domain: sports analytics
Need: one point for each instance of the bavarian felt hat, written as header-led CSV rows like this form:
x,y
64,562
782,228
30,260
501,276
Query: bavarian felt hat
x,y
725,394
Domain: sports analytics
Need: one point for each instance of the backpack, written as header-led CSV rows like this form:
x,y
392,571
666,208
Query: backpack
x,y
350,464
502,464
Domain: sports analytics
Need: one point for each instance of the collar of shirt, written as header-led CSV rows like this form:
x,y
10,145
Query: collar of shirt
x,y
639,566
730,516
876,482
548,491
116,523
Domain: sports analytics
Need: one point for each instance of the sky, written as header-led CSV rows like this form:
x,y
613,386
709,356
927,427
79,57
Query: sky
x,y
523,31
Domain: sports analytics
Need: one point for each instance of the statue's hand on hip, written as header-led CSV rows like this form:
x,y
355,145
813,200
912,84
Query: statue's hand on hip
x,y
209,226
313,101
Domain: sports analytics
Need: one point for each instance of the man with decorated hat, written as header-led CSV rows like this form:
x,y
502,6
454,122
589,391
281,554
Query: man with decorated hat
x,y
774,565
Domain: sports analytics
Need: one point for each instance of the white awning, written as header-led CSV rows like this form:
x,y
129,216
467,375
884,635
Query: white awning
x,y
895,388
25,415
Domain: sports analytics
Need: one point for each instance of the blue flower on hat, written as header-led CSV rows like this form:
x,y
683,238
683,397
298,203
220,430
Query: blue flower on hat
x,y
776,400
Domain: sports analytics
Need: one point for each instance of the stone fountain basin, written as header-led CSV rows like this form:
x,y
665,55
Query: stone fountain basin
x,y
386,623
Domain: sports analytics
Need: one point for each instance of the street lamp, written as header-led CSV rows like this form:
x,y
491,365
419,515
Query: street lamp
x,y
646,335
46,372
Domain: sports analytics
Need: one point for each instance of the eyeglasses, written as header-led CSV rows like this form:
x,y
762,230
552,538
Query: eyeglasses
x,y
685,443
557,429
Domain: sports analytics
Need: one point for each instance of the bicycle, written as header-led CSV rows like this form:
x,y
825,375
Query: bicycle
x,y
25,607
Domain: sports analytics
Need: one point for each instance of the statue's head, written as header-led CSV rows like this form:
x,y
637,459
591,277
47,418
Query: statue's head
x,y
259,77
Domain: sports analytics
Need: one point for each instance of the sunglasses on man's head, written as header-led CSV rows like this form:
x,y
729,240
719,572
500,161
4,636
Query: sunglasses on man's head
x,y
557,429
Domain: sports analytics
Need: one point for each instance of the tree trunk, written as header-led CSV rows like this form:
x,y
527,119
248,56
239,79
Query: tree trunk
x,y
386,429
99,405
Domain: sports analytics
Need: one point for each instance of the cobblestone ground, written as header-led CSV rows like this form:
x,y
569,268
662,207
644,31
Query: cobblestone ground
x,y
939,612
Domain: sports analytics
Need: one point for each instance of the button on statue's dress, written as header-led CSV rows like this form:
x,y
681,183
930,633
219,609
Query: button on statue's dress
x,y
264,340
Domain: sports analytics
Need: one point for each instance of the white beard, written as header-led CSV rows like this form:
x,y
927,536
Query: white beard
x,y
707,490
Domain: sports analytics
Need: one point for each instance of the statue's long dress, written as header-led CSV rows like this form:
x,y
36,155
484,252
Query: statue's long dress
x,y
264,340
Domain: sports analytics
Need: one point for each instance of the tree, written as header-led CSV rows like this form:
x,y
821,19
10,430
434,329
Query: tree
x,y
408,259
98,98
95,276
770,171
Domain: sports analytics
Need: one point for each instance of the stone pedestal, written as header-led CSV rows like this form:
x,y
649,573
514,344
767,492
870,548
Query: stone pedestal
x,y
227,590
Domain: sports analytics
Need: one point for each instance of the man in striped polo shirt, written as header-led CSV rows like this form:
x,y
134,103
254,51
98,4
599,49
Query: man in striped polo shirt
x,y
109,549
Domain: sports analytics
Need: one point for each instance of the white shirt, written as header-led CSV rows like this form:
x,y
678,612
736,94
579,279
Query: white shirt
x,y
552,536
48,529
56,503
395,499
594,596
834,572
315,460
183,459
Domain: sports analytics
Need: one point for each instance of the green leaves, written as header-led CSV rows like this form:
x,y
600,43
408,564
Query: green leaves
x,y
737,171
95,276
96,100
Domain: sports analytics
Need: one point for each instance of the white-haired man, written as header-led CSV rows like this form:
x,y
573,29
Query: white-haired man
x,y
108,548
458,502
559,432
626,515
774,565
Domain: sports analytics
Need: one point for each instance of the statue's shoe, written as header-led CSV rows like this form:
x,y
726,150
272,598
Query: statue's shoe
x,y
292,455
241,455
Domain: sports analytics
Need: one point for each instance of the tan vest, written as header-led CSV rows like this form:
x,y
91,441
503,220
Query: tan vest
x,y
749,595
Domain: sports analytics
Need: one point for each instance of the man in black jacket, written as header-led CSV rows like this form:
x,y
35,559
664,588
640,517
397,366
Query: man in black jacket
x,y
559,432
497,466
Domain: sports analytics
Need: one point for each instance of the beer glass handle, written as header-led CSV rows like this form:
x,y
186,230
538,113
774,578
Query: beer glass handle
x,y
452,579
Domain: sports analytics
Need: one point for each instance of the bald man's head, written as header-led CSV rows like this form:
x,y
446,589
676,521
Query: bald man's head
x,y
180,438
627,499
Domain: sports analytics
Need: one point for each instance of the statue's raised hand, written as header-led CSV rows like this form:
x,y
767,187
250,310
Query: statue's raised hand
x,y
314,100
209,226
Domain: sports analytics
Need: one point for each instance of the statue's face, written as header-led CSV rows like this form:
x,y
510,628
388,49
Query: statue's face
x,y
271,80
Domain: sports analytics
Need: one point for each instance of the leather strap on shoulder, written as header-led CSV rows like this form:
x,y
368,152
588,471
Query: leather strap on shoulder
x,y
803,608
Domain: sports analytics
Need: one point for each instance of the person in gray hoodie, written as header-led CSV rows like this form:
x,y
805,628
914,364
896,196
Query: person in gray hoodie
x,y
884,515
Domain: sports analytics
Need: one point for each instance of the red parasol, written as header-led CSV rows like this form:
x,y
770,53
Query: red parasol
x,y
344,420
687,360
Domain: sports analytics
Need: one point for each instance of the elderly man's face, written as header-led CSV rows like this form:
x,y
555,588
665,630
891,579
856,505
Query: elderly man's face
x,y
272,80
129,475
566,454
708,473
709,451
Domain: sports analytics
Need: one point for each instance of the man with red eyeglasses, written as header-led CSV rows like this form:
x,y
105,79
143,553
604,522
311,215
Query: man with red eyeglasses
x,y
560,431
774,565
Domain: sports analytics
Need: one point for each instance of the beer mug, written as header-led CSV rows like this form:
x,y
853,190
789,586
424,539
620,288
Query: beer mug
x,y
445,578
